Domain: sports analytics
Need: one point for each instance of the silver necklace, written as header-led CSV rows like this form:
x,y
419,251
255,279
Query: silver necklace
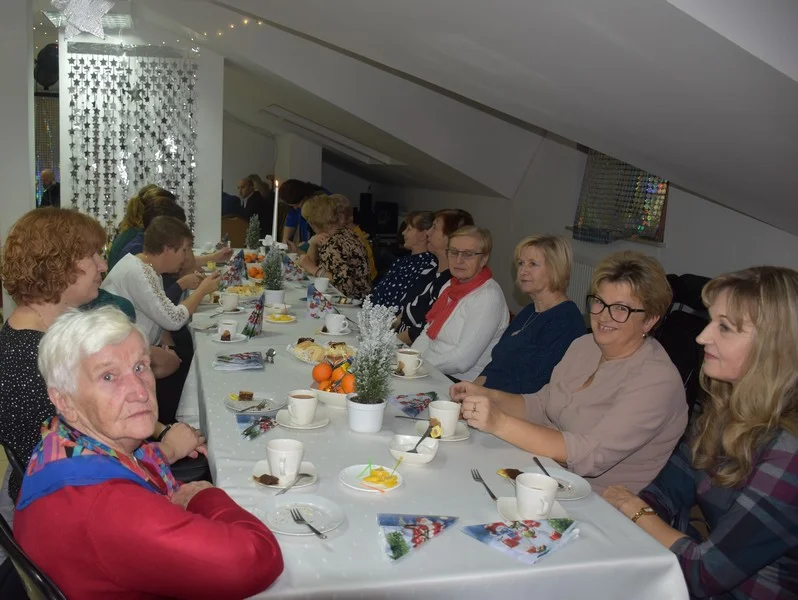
x,y
529,321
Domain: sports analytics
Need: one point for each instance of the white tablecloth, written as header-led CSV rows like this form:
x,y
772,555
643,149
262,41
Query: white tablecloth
x,y
611,559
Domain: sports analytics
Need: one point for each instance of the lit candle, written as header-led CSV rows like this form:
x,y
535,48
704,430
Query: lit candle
x,y
276,203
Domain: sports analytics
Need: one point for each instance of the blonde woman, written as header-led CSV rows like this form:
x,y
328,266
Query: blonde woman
x,y
133,222
335,251
740,464
536,340
615,408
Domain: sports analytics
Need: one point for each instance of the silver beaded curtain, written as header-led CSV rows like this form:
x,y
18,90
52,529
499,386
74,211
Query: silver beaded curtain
x,y
132,121
46,119
619,202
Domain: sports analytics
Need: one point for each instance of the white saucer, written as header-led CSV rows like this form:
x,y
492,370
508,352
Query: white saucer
x,y
272,405
270,320
262,468
420,372
325,515
352,477
345,331
284,418
460,432
508,509
236,311
575,487
234,339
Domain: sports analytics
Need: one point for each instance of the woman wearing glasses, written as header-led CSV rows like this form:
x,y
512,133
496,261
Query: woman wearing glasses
x,y
470,315
615,407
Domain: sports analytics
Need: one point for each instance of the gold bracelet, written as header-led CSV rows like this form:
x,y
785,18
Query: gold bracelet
x,y
646,510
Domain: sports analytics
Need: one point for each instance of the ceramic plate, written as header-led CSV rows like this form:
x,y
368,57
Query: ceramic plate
x,y
460,432
299,355
346,331
508,510
262,468
319,420
353,477
272,405
575,486
420,372
351,302
286,319
239,337
325,515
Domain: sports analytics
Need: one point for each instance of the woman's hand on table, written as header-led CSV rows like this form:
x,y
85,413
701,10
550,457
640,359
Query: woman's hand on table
x,y
623,499
183,440
462,389
483,414
186,492
209,284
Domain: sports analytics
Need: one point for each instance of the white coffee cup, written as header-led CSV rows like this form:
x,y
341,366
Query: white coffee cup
x,y
534,495
334,322
321,283
277,309
409,360
447,413
230,326
285,457
228,301
302,406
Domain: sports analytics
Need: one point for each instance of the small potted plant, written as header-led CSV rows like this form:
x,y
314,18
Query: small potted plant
x,y
372,368
273,276
252,239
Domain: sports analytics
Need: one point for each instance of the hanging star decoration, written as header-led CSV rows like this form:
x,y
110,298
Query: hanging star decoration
x,y
83,15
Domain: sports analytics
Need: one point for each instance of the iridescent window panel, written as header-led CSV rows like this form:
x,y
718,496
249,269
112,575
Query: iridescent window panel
x,y
619,202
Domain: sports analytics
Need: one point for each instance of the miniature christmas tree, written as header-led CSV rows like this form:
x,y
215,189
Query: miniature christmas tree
x,y
273,276
376,352
253,233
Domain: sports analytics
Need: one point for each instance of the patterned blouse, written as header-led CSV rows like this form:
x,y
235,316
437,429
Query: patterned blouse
x,y
137,281
752,550
419,299
403,274
344,258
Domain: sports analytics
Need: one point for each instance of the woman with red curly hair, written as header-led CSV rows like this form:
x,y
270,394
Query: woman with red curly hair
x,y
51,262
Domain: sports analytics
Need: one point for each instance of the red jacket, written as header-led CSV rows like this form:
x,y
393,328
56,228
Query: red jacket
x,y
119,541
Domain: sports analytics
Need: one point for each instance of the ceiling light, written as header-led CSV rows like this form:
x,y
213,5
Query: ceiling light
x,y
109,21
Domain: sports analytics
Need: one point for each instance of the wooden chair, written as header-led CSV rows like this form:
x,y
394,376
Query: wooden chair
x,y
236,229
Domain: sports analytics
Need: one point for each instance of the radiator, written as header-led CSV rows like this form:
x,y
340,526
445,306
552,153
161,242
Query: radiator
x,y
579,286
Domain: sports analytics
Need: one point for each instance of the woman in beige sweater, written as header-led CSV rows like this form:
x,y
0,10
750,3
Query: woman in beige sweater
x,y
615,407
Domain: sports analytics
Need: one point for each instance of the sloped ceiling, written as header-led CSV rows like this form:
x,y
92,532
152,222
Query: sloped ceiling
x,y
641,80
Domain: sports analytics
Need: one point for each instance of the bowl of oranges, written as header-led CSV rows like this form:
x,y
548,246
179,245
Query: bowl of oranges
x,y
332,382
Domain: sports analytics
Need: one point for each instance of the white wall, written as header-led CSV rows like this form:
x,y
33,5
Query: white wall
x,y
339,181
245,151
700,237
16,119
297,158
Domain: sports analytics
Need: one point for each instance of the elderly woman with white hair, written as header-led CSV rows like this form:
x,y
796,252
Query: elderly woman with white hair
x,y
470,314
99,510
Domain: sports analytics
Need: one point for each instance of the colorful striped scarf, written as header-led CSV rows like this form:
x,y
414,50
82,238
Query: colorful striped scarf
x,y
67,457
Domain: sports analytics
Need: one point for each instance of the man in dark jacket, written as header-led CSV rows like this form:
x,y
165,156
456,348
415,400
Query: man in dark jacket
x,y
51,194
252,203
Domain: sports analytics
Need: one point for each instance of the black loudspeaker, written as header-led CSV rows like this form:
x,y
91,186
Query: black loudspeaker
x,y
387,214
45,70
366,217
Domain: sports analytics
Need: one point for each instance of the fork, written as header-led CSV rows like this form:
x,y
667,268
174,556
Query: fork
x,y
256,407
477,477
299,519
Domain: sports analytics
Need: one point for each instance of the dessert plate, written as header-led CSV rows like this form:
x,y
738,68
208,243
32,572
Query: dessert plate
x,y
319,420
352,477
324,514
460,432
271,406
262,468
234,339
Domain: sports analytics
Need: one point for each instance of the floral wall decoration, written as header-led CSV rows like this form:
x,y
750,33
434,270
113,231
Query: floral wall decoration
x,y
132,121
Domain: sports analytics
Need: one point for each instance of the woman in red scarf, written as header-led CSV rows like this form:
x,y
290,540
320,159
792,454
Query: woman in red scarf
x,y
470,315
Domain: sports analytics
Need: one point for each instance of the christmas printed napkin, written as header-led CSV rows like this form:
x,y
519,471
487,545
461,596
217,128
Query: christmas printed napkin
x,y
318,304
413,404
403,534
527,541
252,426
291,271
255,322
242,361
235,273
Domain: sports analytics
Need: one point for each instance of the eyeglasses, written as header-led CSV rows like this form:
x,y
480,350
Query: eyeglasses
x,y
619,313
466,254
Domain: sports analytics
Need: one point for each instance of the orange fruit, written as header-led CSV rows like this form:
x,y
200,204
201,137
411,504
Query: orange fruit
x,y
348,383
322,372
325,386
338,373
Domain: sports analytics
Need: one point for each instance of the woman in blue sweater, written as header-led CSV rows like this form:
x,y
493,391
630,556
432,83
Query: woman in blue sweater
x,y
536,340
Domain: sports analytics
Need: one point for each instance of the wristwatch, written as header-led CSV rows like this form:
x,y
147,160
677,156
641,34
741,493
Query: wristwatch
x,y
163,433
646,510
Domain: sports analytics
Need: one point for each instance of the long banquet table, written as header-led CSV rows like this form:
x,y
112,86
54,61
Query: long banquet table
x,y
611,559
